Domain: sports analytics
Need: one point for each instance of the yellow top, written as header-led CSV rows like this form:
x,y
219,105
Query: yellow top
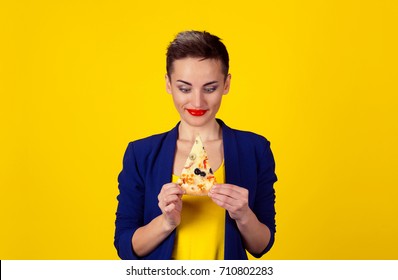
x,y
200,235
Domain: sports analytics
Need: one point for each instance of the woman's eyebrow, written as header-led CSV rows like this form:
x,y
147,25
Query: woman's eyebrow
x,y
209,83
184,82
189,84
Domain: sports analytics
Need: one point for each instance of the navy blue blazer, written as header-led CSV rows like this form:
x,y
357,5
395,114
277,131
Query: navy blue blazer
x,y
148,165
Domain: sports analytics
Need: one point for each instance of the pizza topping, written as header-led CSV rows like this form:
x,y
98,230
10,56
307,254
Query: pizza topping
x,y
192,156
197,171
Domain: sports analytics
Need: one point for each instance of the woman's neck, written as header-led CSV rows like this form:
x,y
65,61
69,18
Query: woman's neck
x,y
209,132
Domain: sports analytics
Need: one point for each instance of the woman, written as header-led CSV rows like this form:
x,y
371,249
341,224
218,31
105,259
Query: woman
x,y
154,219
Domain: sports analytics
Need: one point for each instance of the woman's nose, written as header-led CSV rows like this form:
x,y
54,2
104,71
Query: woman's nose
x,y
197,99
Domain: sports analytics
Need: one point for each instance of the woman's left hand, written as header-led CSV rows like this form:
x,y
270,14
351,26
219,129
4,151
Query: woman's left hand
x,y
232,198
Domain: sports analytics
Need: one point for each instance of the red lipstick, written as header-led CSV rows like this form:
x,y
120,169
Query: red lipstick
x,y
196,113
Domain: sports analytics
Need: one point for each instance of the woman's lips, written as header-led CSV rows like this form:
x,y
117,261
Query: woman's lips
x,y
196,113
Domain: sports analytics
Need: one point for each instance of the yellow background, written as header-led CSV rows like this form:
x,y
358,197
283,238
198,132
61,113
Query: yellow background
x,y
80,79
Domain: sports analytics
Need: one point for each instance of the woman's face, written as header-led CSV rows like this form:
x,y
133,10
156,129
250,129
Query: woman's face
x,y
197,87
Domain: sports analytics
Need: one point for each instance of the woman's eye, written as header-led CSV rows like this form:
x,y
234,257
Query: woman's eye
x,y
184,90
210,89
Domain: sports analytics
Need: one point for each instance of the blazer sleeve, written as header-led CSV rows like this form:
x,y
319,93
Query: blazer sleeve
x,y
129,214
264,205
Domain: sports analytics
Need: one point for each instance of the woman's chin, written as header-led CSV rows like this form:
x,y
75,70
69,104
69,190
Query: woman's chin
x,y
198,121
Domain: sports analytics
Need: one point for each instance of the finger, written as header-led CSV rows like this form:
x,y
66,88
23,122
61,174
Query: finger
x,y
235,210
229,190
229,187
178,206
169,208
171,198
222,197
173,207
171,187
225,193
222,201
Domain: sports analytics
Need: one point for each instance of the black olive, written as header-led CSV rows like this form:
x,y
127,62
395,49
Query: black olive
x,y
211,171
197,171
203,174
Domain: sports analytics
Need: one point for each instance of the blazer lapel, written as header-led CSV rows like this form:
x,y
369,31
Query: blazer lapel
x,y
166,155
233,243
231,156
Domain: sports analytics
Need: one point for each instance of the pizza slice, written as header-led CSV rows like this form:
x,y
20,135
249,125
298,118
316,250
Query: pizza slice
x,y
197,178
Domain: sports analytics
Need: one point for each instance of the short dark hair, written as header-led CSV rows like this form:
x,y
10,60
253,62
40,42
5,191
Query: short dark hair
x,y
197,44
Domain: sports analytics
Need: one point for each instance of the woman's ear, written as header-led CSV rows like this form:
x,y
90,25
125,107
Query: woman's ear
x,y
168,83
227,84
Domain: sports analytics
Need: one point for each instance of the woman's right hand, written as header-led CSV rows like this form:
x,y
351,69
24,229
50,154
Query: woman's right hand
x,y
148,237
170,203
